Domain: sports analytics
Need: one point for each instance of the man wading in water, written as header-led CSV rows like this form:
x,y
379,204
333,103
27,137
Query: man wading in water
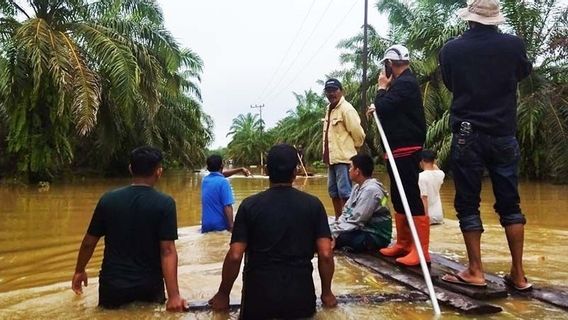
x,y
139,225
279,229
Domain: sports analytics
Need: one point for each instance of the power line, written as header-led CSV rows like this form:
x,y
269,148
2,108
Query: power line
x,y
271,92
277,93
287,51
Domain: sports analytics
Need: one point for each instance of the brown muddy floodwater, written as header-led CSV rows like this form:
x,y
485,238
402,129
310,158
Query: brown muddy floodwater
x,y
40,233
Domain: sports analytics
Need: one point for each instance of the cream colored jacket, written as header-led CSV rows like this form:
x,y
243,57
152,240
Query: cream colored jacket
x,y
345,132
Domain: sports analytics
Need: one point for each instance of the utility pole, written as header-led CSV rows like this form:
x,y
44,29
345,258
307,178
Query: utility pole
x,y
259,107
364,57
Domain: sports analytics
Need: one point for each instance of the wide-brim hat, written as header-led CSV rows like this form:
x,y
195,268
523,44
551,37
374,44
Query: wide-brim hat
x,y
487,12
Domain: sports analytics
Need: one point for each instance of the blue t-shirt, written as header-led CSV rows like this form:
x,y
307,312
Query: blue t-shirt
x,y
216,193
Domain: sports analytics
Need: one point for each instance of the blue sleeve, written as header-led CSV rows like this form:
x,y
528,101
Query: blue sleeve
x,y
227,193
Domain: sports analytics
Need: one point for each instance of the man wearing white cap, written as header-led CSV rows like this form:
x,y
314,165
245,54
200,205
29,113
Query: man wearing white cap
x,y
399,106
482,68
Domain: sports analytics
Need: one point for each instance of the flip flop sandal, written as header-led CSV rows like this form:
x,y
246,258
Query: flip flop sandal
x,y
457,279
509,282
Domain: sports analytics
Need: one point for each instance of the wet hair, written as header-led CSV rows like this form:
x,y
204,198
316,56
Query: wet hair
x,y
214,163
281,163
145,160
365,163
428,156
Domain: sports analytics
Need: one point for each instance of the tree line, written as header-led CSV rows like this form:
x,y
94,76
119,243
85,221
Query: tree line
x,y
83,82
424,26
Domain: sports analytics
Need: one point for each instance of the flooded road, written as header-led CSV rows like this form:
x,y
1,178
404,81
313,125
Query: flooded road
x,y
41,230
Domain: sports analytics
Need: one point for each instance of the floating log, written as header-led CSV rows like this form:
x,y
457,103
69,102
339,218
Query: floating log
x,y
555,296
493,290
341,299
412,280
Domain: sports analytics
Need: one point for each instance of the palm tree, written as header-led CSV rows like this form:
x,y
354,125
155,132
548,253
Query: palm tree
x,y
543,109
351,75
248,139
99,76
413,25
303,126
543,97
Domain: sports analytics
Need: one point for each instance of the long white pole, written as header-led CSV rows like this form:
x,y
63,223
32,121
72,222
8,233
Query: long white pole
x,y
421,257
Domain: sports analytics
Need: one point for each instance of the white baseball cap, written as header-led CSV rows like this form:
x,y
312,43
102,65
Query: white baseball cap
x,y
396,53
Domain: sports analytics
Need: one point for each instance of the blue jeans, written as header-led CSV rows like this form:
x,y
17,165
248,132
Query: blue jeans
x,y
472,153
338,182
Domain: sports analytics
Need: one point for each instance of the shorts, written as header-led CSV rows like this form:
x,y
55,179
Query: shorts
x,y
278,293
111,297
338,182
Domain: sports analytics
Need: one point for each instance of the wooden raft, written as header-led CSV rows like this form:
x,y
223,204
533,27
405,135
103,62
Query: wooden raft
x,y
341,299
413,280
493,290
557,297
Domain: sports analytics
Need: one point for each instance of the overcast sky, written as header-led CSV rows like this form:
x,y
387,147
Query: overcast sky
x,y
260,51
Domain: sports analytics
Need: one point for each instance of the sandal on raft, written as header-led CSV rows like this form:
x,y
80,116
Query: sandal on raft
x,y
509,282
457,279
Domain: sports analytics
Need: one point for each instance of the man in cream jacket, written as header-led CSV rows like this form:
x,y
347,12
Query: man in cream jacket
x,y
342,134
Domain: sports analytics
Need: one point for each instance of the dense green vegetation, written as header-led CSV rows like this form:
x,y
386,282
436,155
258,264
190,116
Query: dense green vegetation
x,y
424,26
83,82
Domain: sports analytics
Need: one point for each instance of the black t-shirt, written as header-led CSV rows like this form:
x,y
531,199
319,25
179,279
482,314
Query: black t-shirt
x,y
280,227
482,68
401,112
133,220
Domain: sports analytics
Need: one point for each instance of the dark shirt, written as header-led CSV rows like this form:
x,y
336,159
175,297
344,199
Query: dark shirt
x,y
482,69
280,227
133,220
401,112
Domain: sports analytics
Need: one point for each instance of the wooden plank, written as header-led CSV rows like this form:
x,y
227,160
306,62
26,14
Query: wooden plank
x,y
551,296
446,297
493,290
555,296
341,299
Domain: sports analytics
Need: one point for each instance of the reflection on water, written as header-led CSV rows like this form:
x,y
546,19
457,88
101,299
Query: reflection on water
x,y
40,233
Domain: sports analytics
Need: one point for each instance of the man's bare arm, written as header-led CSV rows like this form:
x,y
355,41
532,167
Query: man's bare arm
x,y
229,172
326,267
231,267
425,203
88,246
169,260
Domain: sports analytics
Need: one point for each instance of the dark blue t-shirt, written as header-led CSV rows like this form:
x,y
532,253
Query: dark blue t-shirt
x,y
133,221
216,193
482,68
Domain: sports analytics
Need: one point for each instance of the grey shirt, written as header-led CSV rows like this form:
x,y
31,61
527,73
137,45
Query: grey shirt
x,y
365,200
